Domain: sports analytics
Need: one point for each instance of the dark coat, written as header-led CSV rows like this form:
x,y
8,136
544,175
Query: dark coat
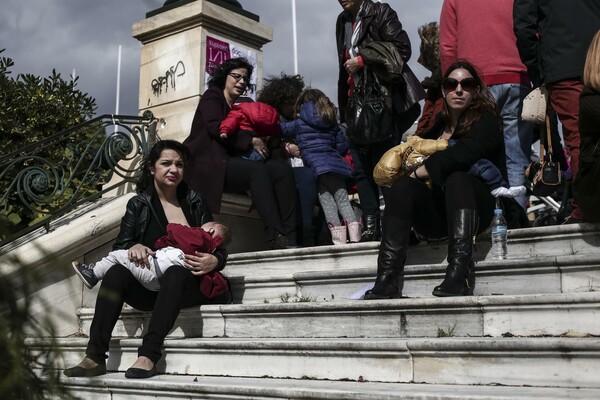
x,y
586,189
138,213
205,170
321,143
483,140
380,23
565,32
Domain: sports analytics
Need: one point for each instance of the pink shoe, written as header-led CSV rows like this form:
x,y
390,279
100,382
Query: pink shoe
x,y
354,231
338,234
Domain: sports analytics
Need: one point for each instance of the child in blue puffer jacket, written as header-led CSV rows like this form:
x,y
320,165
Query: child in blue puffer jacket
x,y
322,143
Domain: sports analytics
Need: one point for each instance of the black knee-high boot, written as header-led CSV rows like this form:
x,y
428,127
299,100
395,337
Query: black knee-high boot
x,y
392,256
460,273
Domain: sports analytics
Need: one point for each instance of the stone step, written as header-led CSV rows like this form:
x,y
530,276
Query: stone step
x,y
475,316
574,239
553,362
536,275
114,386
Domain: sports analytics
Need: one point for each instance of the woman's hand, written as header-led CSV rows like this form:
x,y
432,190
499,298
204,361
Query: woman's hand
x,y
260,146
293,149
201,263
420,174
352,66
138,254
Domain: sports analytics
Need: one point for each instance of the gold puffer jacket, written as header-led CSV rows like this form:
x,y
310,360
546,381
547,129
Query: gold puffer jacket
x,y
405,158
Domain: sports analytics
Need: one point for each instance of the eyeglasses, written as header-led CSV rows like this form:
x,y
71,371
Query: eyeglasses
x,y
468,84
239,77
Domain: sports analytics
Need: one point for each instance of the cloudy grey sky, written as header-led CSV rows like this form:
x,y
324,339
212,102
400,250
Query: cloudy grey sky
x,y
84,35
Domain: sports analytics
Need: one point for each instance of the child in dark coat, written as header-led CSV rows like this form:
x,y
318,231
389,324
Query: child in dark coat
x,y
322,143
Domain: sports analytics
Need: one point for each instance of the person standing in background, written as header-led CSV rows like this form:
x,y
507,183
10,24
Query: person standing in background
x,y
553,37
481,32
430,59
362,22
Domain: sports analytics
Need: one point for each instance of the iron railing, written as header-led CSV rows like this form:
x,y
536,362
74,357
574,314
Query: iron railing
x,y
44,180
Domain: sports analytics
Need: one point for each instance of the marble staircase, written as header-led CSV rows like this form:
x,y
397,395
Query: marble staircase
x,y
295,331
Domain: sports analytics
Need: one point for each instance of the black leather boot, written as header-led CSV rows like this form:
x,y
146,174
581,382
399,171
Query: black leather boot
x,y
460,273
391,259
372,230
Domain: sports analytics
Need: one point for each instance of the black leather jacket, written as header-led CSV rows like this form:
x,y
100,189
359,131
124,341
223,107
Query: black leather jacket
x,y
379,23
136,220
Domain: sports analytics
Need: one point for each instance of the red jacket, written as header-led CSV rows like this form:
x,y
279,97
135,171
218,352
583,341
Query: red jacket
x,y
257,117
188,239
192,239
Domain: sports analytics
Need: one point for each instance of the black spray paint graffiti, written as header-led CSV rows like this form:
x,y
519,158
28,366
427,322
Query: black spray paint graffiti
x,y
169,79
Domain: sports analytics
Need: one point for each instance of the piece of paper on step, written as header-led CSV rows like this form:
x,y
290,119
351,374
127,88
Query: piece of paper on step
x,y
361,292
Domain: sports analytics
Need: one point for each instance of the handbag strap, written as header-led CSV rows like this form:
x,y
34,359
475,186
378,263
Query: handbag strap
x,y
548,142
549,137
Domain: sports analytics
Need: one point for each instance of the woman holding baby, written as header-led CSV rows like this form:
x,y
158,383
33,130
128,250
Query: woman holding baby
x,y
217,165
162,198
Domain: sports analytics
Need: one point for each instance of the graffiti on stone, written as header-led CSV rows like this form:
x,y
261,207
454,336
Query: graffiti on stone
x,y
169,79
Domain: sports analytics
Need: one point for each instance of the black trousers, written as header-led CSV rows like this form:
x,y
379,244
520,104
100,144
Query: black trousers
x,y
273,190
427,208
365,159
179,289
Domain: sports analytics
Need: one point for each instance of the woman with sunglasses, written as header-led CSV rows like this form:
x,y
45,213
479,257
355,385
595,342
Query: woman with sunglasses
x,y
216,166
459,204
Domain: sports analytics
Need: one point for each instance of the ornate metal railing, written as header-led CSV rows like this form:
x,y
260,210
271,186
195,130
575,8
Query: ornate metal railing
x,y
44,180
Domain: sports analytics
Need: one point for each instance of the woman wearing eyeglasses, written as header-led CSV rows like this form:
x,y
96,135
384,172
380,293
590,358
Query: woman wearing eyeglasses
x,y
459,204
216,166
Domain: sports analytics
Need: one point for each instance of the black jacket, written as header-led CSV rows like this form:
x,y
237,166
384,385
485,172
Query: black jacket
x,y
205,170
379,23
586,189
483,140
565,28
136,220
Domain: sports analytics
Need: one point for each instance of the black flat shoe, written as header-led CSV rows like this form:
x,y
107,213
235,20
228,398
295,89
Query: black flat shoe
x,y
138,373
99,369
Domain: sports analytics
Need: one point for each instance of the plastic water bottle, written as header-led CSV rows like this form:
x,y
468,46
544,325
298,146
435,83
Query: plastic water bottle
x,y
499,233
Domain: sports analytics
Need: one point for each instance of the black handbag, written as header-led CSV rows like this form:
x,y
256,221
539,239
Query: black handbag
x,y
368,114
545,174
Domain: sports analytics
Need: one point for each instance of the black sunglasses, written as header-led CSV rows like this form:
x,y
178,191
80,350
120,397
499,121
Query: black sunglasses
x,y
468,84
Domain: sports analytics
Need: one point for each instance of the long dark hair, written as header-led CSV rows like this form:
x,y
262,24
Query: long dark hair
x,y
219,73
145,182
482,103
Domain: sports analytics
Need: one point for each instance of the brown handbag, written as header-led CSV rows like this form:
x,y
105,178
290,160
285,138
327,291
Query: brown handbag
x,y
545,174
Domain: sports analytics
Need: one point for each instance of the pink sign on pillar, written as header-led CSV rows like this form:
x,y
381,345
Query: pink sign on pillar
x,y
217,51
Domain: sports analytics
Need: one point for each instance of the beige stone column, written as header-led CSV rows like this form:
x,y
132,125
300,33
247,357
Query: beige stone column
x,y
177,44
174,58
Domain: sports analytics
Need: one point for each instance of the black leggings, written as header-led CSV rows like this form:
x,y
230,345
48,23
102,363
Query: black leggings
x,y
273,190
179,289
427,208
